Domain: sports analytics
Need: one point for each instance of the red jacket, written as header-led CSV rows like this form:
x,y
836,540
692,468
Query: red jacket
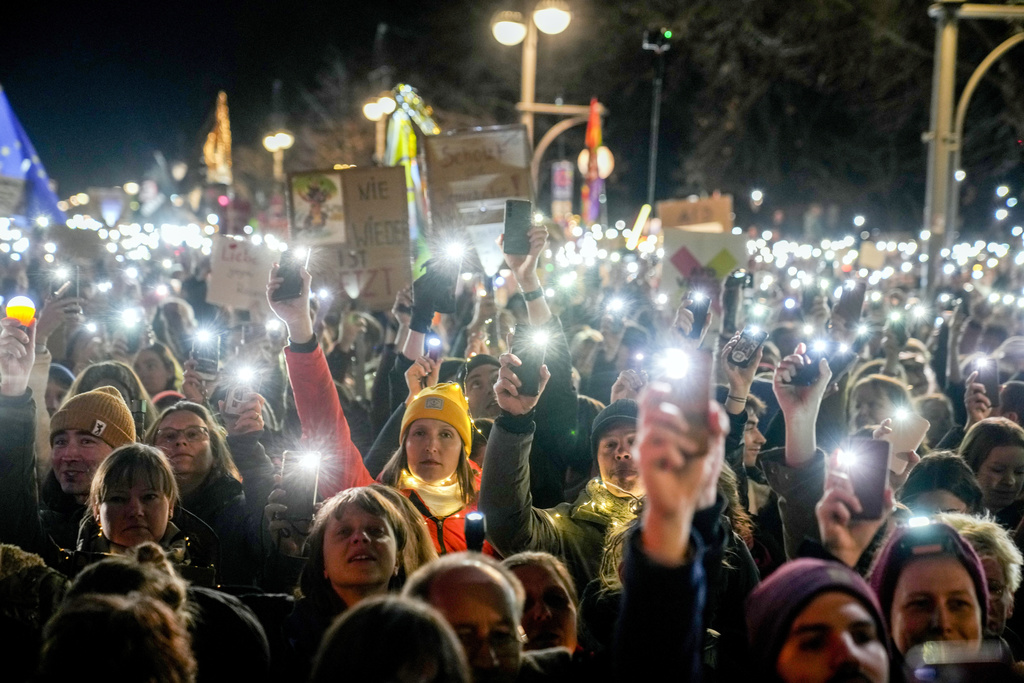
x,y
325,429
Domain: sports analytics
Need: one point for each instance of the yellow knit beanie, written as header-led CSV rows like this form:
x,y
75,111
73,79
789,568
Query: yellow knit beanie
x,y
101,412
444,402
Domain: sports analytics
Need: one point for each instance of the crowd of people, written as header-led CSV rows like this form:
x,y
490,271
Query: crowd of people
x,y
509,483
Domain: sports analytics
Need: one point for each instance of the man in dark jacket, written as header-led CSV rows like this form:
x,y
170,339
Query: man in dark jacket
x,y
83,432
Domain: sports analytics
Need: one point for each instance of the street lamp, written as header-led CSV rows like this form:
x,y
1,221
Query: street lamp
x,y
378,110
509,28
276,143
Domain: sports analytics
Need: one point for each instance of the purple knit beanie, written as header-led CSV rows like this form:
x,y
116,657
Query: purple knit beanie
x,y
909,543
775,604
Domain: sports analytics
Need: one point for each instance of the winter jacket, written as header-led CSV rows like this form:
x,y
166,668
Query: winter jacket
x,y
234,510
573,531
324,428
799,489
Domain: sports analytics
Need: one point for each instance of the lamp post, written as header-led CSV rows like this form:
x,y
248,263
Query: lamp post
x,y
510,28
276,143
378,110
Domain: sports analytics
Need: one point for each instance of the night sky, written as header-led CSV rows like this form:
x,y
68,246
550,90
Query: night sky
x,y
99,89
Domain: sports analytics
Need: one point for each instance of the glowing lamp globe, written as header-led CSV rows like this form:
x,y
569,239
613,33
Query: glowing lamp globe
x,y
508,28
552,16
605,161
21,309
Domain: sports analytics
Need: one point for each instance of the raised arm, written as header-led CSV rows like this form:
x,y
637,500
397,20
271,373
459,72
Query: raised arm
x,y
324,427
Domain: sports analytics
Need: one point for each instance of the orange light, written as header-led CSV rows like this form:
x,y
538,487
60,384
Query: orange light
x,y
21,309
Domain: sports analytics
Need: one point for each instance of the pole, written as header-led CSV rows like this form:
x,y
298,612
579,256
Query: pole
x,y
940,139
529,86
659,77
380,141
961,114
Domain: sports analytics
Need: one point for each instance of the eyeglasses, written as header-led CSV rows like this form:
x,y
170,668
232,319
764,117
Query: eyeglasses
x,y
192,435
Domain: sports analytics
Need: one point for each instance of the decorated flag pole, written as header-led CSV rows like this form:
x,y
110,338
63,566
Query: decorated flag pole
x,y
590,209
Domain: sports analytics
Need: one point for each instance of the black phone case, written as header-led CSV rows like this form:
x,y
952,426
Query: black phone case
x,y
851,301
518,218
291,288
532,357
988,374
300,485
869,475
700,315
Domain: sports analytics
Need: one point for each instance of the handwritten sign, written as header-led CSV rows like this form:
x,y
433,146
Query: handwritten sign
x,y
238,273
471,173
704,215
374,262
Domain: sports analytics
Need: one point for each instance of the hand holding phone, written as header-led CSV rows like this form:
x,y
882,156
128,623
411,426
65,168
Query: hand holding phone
x,y
751,339
700,304
908,432
300,474
988,375
851,301
290,270
518,220
688,374
530,346
866,462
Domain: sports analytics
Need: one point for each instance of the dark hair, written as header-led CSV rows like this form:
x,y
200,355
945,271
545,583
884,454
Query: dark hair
x,y
223,463
992,432
99,374
312,582
387,636
419,548
943,471
141,639
1011,398
170,363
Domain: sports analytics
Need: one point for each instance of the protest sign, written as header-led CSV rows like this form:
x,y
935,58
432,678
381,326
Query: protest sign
x,y
699,260
238,273
316,208
374,262
713,214
470,174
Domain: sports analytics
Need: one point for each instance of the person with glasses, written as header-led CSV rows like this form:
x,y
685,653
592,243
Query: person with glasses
x,y
224,478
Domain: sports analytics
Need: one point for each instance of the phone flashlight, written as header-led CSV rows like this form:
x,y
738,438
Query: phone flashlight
x,y
846,459
454,250
674,364
615,305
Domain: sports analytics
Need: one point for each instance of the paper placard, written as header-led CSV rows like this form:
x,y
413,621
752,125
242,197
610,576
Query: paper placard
x,y
704,215
316,208
699,259
239,271
374,263
11,190
471,173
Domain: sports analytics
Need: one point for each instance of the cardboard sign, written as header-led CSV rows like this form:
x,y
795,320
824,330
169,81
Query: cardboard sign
x,y
238,273
316,208
471,173
704,215
698,259
374,263
11,190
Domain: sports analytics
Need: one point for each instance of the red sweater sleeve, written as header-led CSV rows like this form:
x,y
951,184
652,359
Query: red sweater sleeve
x,y
324,427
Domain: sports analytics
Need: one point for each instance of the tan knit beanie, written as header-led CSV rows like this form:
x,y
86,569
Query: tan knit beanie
x,y
101,412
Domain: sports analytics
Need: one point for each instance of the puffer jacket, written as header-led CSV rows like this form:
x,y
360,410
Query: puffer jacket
x,y
324,428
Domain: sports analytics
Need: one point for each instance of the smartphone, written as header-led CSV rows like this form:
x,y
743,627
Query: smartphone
x,y
896,325
988,374
434,349
751,339
689,375
636,362
867,464
529,345
476,531
290,270
206,354
745,279
807,296
239,394
699,305
443,272
840,359
959,662
963,304
851,301
908,432
300,474
518,219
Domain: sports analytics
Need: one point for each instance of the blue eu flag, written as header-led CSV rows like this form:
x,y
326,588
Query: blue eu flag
x,y
25,193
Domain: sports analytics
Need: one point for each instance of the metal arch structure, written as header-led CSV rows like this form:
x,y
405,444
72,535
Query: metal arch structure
x,y
944,136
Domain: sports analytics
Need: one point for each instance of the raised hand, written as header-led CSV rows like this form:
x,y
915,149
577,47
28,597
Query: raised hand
x,y
193,385
249,418
524,266
17,355
289,536
628,385
57,312
740,379
843,536
295,313
421,374
793,398
506,389
977,402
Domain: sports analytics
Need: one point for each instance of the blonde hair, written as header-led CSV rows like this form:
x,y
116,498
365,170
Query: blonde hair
x,y
989,539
